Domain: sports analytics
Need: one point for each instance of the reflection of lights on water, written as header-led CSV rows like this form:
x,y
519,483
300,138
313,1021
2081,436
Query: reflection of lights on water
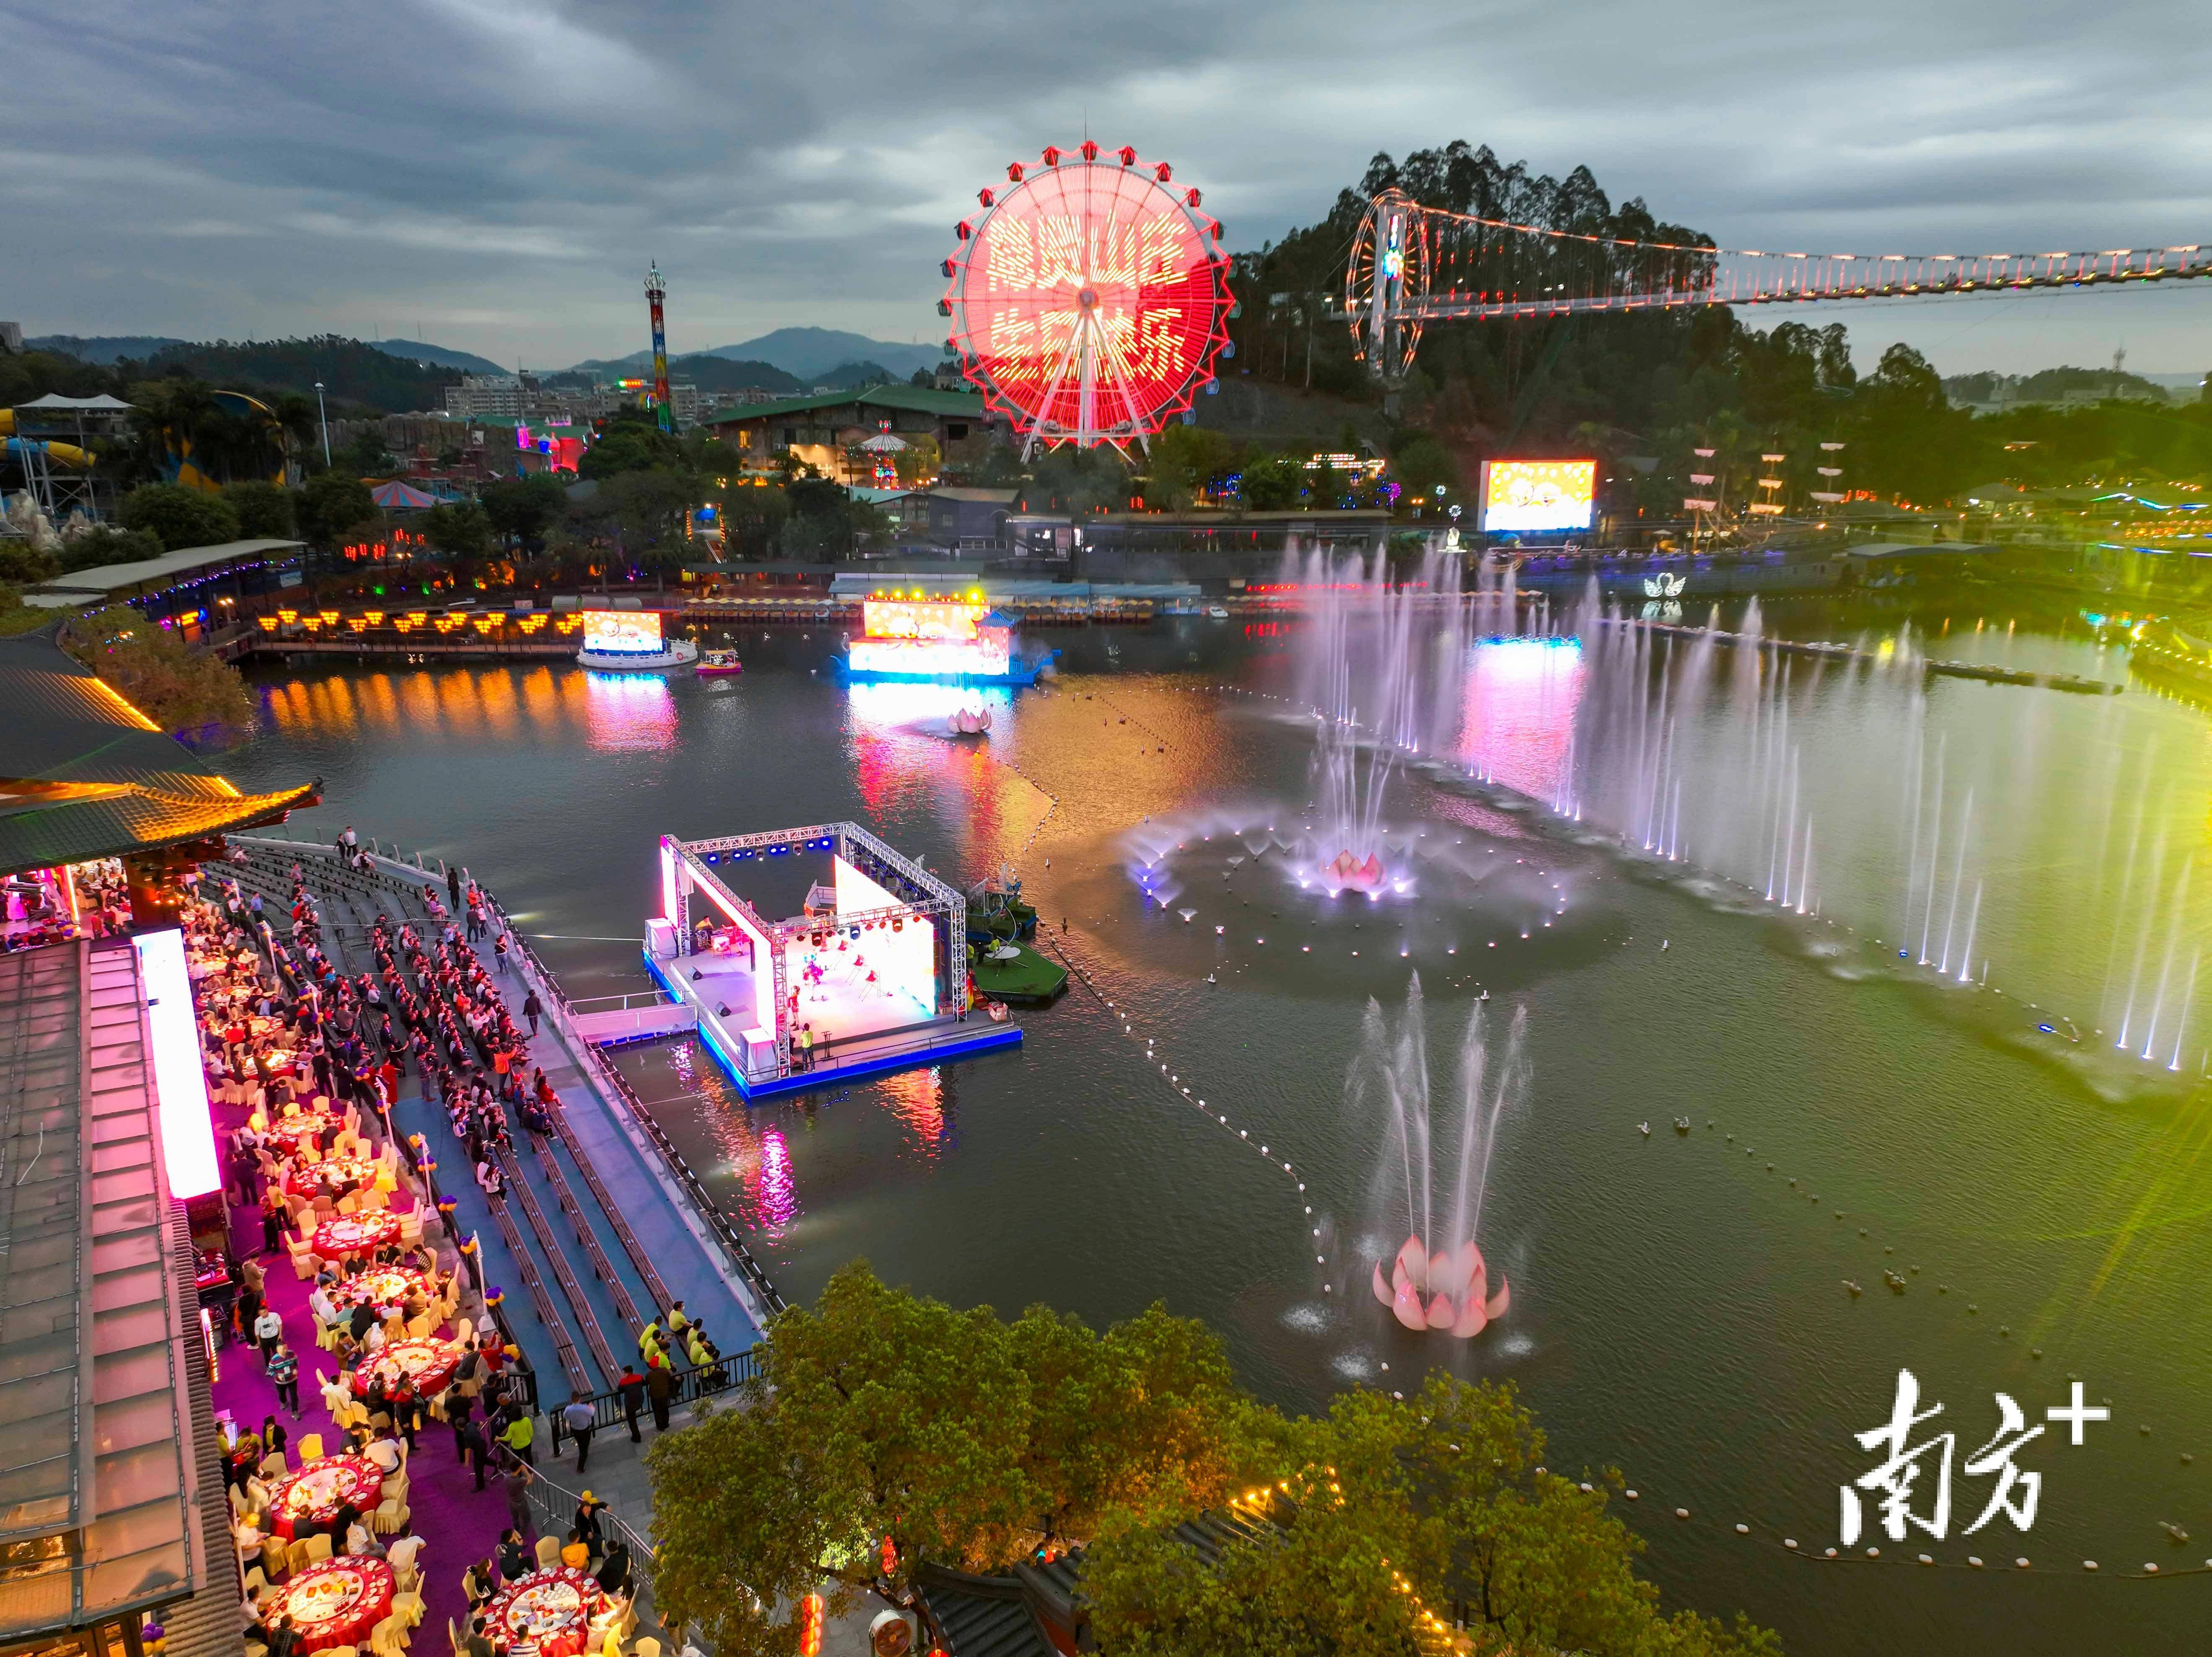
x,y
628,712
775,1198
884,707
916,1098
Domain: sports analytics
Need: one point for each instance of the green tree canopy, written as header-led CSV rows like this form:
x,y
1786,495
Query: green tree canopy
x,y
522,509
179,688
331,507
1386,1513
179,516
752,520
263,509
460,530
882,1413
1271,484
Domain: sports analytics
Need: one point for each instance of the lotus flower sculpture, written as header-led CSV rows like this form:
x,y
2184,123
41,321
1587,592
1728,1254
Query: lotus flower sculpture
x,y
1347,873
1448,1291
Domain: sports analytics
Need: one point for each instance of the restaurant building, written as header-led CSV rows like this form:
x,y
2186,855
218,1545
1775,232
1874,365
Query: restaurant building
x,y
114,1522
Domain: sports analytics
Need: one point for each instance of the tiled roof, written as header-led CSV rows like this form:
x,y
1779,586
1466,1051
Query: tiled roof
x,y
83,774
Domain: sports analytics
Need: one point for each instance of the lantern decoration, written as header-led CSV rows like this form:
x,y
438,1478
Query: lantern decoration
x,y
1090,302
809,1626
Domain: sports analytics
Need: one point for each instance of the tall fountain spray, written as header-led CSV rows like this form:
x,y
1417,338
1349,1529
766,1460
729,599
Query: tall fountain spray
x,y
1438,1278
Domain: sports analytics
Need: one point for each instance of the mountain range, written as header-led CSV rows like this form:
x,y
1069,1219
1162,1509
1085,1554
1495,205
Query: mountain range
x,y
808,355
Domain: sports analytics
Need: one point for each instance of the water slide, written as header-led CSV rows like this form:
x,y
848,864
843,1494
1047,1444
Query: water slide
x,y
62,454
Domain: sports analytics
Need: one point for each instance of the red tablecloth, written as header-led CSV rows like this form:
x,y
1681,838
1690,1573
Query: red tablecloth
x,y
387,1286
310,1496
363,1233
288,1131
335,1176
551,1610
431,1360
338,1602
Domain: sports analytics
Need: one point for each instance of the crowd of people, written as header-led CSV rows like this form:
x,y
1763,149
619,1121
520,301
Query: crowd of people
x,y
310,1059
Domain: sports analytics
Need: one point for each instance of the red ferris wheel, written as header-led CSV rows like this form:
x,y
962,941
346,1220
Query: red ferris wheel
x,y
1091,301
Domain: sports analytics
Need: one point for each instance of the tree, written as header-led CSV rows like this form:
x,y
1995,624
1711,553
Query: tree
x,y
1421,463
752,519
179,516
884,1414
920,462
826,522
631,442
177,687
263,509
104,543
1186,462
331,506
522,509
460,530
1270,484
1444,1491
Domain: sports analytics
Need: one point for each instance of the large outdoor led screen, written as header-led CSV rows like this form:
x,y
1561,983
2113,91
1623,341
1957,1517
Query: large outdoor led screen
x,y
622,632
1537,494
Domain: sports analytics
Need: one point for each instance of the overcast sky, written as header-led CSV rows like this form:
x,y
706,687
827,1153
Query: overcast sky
x,y
495,176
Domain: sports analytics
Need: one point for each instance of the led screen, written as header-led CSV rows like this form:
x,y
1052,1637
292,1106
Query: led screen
x,y
886,618
985,657
1538,495
622,632
179,1085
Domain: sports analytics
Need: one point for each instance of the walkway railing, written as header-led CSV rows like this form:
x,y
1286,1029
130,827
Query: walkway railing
x,y
556,1506
725,1375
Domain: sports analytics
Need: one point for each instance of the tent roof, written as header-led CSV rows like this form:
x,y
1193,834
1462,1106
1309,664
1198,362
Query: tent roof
x,y
398,494
101,404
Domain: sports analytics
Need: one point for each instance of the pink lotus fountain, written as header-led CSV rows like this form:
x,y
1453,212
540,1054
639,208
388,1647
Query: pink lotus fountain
x,y
1457,1284
1448,1288
1347,873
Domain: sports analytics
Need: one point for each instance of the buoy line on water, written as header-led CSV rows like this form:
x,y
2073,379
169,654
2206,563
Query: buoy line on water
x,y
1176,1082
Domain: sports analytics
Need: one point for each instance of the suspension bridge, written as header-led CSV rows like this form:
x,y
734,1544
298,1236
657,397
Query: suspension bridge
x,y
1411,265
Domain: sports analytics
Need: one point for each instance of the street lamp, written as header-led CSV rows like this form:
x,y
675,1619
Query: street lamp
x,y
322,414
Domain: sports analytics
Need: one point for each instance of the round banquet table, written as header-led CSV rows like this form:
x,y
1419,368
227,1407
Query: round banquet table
x,y
549,1610
429,1360
288,1131
335,1176
363,1233
337,1602
309,1498
387,1286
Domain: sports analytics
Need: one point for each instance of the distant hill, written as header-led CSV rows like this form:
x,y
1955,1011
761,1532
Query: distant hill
x,y
711,375
813,353
437,356
809,356
103,349
351,373
2052,384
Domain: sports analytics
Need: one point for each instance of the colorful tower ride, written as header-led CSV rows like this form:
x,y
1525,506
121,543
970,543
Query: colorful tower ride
x,y
655,290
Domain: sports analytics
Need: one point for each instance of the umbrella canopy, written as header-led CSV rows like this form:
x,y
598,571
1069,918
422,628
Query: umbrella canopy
x,y
396,496
884,443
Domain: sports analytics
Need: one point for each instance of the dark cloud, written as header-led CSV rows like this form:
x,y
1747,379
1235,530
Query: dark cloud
x,y
500,173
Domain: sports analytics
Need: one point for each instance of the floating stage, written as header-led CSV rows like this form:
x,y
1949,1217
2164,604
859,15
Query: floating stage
x,y
869,971
915,637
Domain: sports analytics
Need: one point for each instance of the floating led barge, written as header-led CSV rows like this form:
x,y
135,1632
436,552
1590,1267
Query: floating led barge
x,y
913,636
630,642
865,980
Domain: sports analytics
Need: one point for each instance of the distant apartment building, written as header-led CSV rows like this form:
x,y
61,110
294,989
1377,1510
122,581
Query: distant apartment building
x,y
493,396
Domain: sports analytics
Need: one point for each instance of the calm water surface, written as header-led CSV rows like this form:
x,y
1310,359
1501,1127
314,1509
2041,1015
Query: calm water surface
x,y
1678,1308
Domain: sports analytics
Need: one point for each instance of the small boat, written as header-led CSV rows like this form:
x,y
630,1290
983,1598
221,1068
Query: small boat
x,y
719,664
1681,1125
1644,1128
